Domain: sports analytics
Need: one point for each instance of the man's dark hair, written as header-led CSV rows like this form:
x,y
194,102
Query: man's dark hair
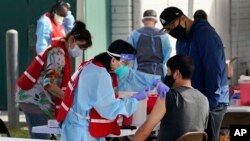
x,y
200,14
182,63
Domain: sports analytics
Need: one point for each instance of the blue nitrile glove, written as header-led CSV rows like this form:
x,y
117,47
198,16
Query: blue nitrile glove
x,y
142,94
162,89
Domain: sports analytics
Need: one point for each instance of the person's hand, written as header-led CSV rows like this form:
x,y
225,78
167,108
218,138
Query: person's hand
x,y
162,89
142,94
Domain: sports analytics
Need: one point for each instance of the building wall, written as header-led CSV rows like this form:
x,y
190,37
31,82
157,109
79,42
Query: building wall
x,y
157,5
96,17
8,21
240,35
230,18
121,11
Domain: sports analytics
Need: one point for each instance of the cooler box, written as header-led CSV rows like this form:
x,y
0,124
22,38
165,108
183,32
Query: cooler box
x,y
244,91
139,116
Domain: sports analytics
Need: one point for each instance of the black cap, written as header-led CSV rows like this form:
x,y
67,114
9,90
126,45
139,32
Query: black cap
x,y
150,14
169,14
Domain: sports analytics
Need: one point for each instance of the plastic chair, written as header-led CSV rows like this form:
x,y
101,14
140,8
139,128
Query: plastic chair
x,y
3,128
193,136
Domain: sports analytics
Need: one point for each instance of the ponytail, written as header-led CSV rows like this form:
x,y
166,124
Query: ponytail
x,y
80,33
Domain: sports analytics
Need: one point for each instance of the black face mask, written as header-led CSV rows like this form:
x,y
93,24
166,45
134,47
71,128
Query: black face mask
x,y
169,80
178,32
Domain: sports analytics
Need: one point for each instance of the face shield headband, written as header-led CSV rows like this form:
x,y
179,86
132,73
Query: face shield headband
x,y
123,56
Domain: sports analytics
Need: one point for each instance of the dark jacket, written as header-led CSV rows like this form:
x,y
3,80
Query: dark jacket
x,y
205,48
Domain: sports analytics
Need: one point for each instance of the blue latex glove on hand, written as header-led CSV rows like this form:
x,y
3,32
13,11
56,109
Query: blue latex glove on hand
x,y
162,89
142,94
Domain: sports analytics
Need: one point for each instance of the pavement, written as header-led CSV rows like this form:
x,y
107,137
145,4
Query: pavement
x,y
4,116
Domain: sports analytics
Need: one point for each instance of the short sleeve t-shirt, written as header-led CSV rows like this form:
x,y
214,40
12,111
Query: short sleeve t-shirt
x,y
187,110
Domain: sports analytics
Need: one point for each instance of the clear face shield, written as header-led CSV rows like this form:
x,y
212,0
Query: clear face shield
x,y
125,59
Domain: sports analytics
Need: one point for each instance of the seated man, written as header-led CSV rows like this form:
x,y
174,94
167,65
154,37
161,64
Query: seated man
x,y
184,108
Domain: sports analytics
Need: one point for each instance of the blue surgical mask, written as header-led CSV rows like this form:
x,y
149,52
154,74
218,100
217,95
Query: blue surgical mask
x,y
121,71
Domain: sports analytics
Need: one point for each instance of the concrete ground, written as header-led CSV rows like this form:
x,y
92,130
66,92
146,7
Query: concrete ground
x,y
4,116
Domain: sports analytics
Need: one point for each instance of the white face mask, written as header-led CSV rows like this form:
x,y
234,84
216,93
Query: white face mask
x,y
75,51
58,19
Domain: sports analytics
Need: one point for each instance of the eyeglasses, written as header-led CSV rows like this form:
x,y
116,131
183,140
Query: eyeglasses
x,y
171,25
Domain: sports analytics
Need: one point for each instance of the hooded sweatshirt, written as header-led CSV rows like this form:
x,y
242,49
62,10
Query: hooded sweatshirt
x,y
206,49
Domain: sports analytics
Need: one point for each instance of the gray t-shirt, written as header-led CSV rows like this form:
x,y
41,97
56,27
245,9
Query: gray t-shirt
x,y
187,110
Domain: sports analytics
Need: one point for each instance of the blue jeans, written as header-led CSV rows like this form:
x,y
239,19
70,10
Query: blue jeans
x,y
36,120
